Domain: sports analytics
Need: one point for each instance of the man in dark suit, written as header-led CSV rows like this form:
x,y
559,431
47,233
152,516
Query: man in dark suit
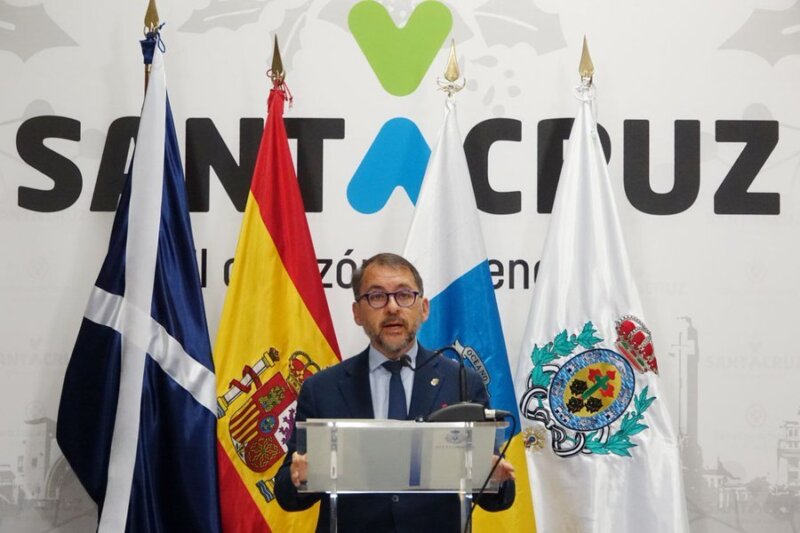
x,y
379,383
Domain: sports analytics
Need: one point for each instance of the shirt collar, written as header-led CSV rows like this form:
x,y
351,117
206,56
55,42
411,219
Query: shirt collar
x,y
377,359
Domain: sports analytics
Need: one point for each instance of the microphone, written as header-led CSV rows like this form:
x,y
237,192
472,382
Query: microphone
x,y
497,414
406,360
463,411
468,412
462,374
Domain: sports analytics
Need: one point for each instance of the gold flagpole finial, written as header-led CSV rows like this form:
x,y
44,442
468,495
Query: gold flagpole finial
x,y
276,73
451,74
151,17
151,24
586,68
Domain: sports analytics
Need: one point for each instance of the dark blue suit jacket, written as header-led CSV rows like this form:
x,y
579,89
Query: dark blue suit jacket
x,y
343,391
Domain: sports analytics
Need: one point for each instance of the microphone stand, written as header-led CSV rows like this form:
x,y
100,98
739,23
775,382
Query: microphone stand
x,y
463,411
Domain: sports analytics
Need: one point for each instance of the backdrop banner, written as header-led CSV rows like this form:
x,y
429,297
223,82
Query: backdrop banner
x,y
697,115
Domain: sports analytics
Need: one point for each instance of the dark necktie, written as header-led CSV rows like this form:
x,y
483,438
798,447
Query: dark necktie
x,y
397,394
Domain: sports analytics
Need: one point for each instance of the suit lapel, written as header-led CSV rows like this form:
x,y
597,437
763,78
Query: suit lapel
x,y
355,389
428,382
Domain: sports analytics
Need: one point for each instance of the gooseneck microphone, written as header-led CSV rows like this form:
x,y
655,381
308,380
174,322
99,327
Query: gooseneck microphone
x,y
406,360
463,411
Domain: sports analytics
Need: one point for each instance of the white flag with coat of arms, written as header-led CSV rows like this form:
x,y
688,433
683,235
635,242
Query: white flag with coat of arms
x,y
601,452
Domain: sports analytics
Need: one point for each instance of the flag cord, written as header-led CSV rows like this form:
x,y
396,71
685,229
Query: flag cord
x,y
587,93
280,85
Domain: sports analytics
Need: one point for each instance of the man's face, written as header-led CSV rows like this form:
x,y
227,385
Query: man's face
x,y
392,329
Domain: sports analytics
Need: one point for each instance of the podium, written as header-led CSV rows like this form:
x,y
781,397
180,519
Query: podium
x,y
372,456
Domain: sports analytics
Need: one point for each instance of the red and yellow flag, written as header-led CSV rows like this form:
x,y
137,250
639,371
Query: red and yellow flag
x,y
275,331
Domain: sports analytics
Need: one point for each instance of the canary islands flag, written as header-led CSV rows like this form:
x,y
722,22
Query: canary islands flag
x,y
446,245
137,415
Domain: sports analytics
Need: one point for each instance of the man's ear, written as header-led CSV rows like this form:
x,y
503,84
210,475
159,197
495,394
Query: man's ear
x,y
357,314
426,309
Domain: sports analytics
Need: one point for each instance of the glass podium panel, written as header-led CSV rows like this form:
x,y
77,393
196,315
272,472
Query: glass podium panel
x,y
350,456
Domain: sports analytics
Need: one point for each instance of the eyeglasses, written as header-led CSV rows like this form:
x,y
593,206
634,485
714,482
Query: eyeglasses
x,y
379,299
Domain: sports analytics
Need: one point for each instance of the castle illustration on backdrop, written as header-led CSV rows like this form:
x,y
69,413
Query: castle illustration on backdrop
x,y
717,499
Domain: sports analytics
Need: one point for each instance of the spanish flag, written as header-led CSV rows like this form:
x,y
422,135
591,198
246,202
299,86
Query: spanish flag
x,y
275,331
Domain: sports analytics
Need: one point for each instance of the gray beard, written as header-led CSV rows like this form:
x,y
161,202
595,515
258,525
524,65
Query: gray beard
x,y
395,349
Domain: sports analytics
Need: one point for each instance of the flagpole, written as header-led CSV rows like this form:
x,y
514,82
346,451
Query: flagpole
x,y
277,74
464,411
274,254
445,242
582,313
151,25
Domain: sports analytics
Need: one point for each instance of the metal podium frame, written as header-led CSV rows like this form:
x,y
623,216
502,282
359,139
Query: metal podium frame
x,y
351,456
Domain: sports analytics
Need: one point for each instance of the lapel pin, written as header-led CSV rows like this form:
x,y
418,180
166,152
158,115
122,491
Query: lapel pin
x,y
434,382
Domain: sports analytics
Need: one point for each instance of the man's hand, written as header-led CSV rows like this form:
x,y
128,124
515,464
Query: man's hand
x,y
299,469
503,472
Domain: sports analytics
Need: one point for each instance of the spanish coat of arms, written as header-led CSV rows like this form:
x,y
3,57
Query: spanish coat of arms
x,y
261,426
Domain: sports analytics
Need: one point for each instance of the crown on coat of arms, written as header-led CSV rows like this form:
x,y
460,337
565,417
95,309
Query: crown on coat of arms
x,y
634,342
300,367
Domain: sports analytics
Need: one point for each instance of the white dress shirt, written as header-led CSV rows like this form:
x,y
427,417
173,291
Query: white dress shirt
x,y
379,380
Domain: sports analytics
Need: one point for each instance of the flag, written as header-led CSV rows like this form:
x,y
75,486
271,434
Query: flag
x,y
137,414
601,451
445,243
275,331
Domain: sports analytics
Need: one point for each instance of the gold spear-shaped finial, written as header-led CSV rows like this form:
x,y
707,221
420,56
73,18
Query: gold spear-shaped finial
x,y
276,73
586,68
151,23
451,73
151,17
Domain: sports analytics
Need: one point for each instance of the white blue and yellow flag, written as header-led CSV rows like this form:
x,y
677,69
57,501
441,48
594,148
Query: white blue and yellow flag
x,y
446,245
601,451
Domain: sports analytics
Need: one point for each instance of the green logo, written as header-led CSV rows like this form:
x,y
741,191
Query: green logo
x,y
400,57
